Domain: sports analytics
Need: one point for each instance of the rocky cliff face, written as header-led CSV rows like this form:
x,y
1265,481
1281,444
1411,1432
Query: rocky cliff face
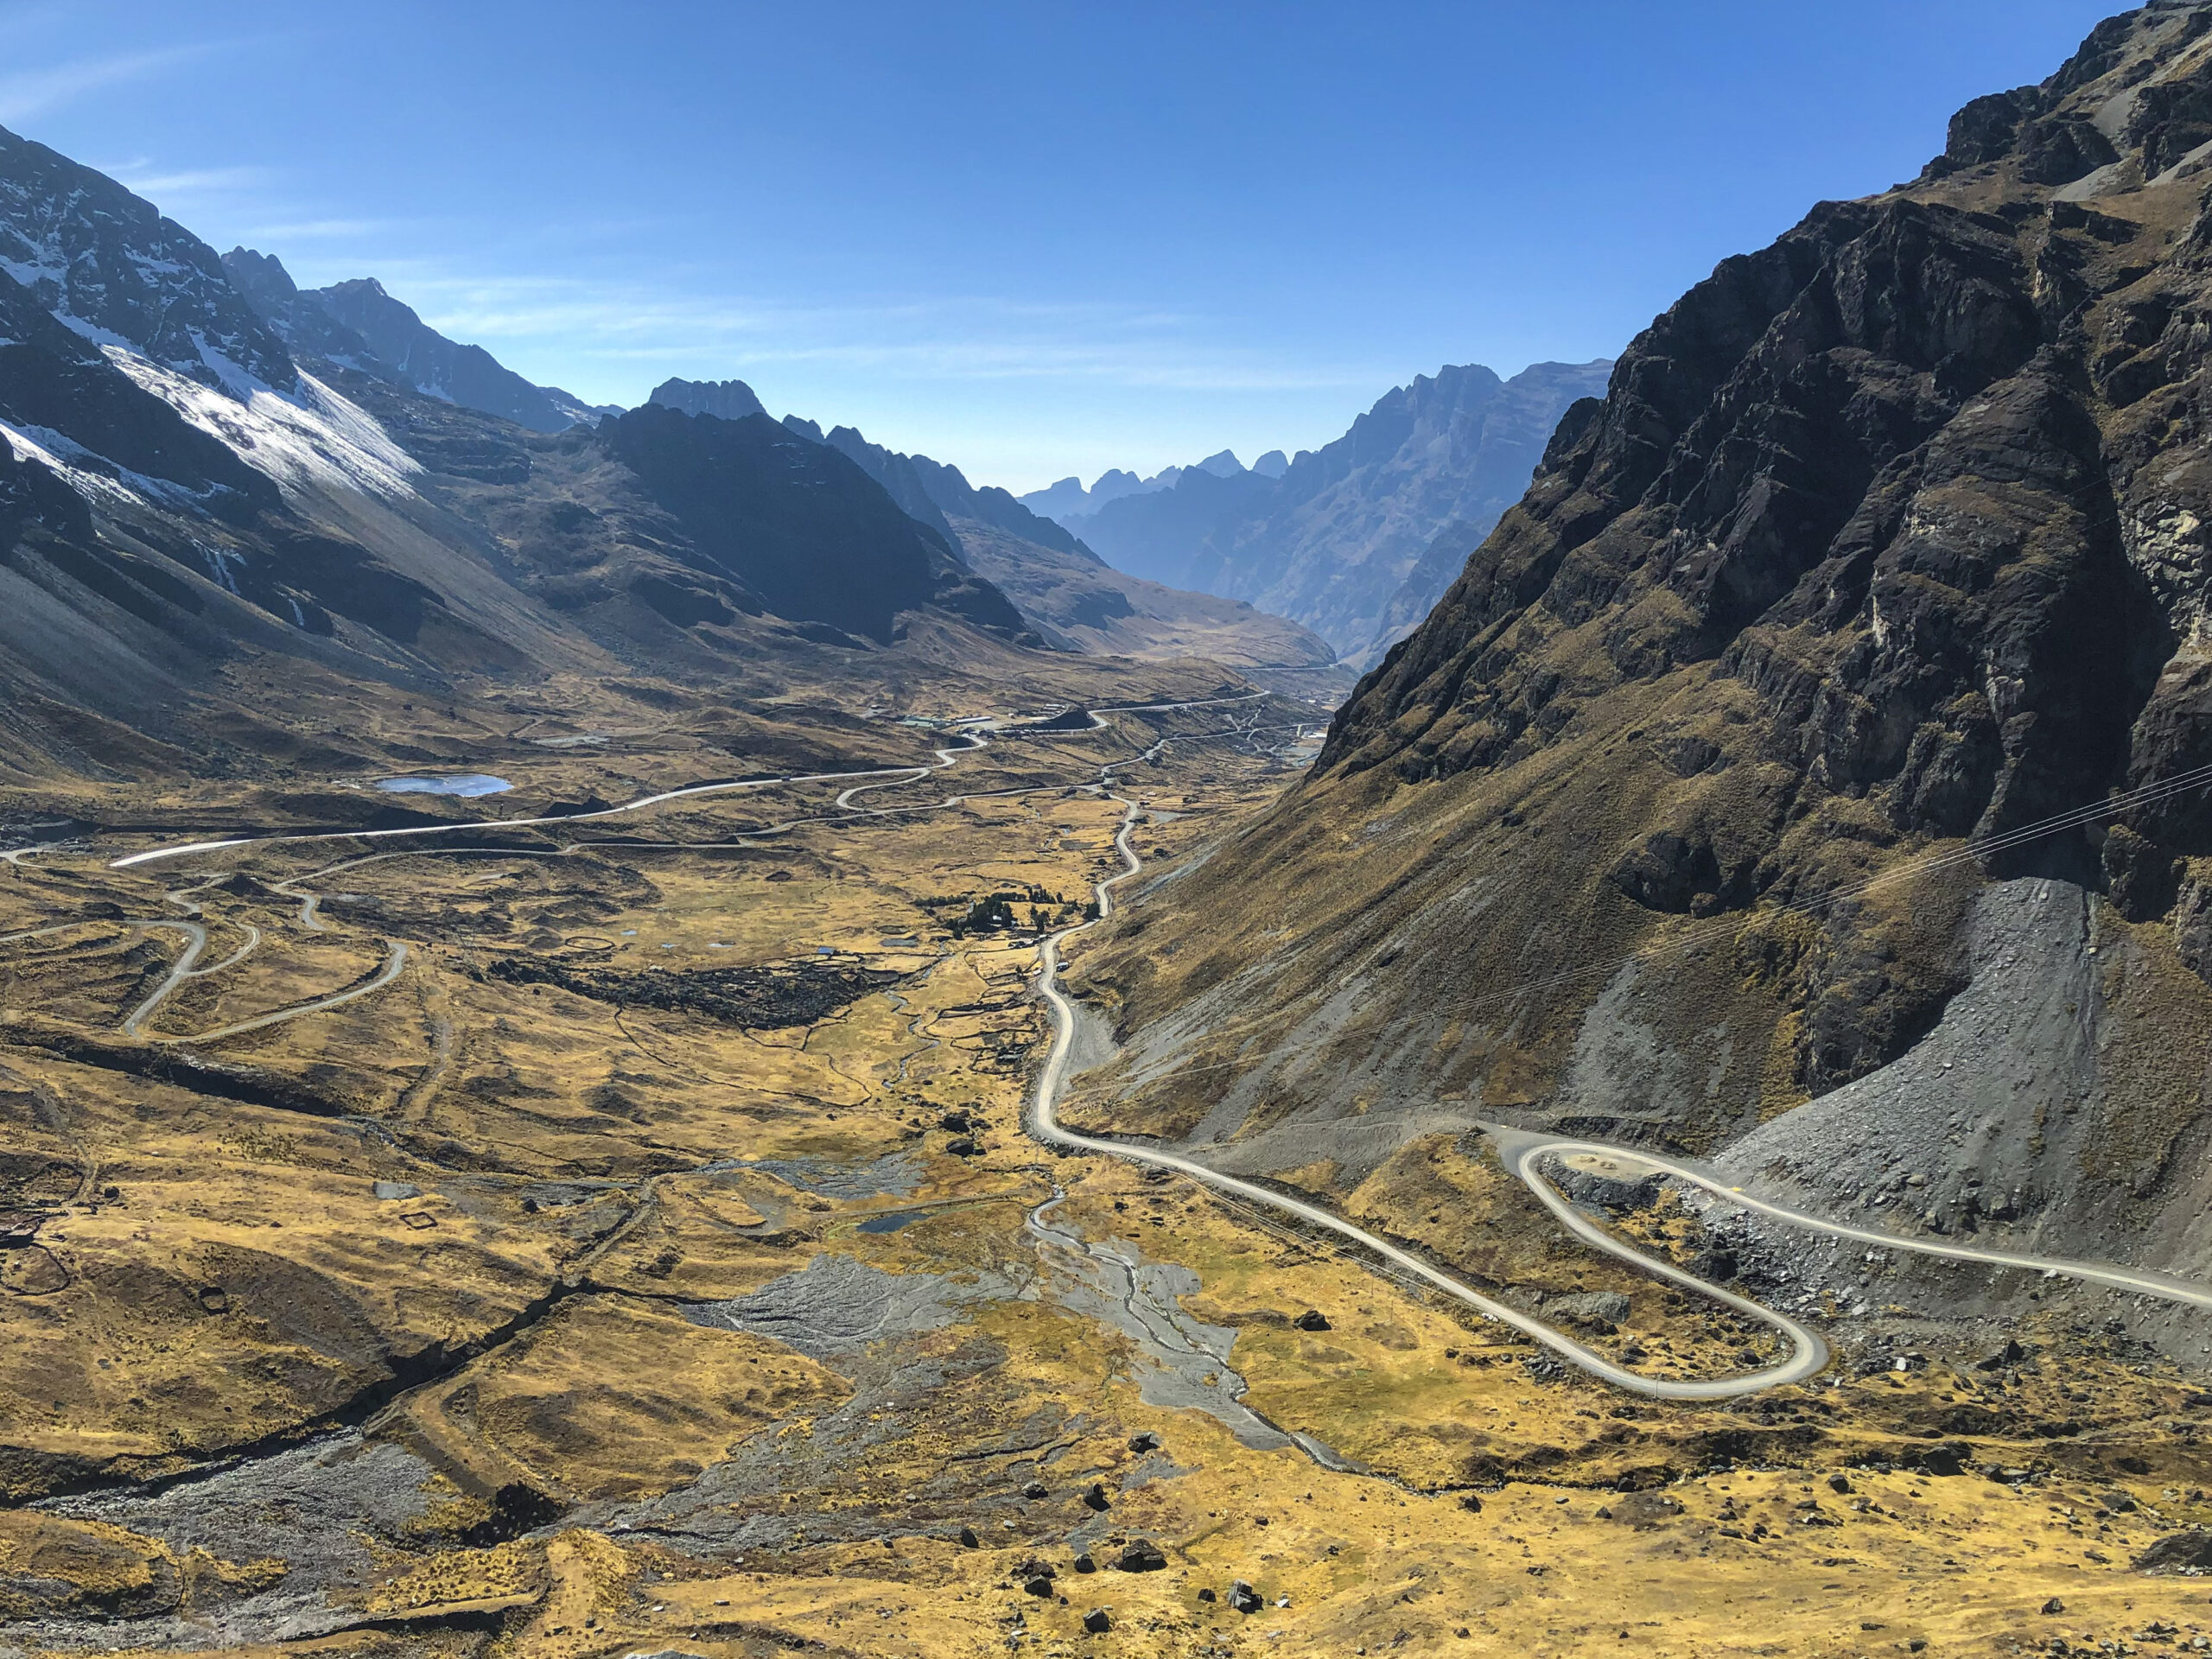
x,y
1888,539
797,523
1358,538
112,268
356,325
425,360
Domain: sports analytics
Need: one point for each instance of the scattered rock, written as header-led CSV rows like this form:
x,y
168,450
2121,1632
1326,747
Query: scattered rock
x,y
1038,1585
1243,1597
968,1539
1839,1483
1647,1508
1472,1504
1094,1497
389,1190
1097,1620
1144,1442
955,1123
1312,1320
1084,1564
1141,1556
1035,1489
1596,1310
963,1147
1207,1595
2178,1551
2011,1354
2054,1605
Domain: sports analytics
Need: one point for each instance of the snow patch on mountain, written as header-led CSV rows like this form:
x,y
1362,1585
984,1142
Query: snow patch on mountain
x,y
311,438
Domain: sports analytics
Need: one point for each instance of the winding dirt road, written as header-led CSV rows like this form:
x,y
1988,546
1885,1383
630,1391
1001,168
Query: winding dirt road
x,y
1522,1150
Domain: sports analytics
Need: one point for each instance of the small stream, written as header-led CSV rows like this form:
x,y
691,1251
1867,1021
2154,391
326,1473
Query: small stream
x,y
1189,1359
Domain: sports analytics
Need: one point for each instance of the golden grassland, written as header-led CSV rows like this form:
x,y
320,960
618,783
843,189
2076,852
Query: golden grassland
x,y
633,1068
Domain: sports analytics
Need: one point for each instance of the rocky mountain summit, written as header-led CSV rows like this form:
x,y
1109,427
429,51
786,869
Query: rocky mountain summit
x,y
357,324
108,266
1853,644
1069,595
1356,539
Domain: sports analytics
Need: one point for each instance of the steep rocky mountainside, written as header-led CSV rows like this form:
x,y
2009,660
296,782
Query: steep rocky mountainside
x,y
108,266
181,492
798,524
1812,755
1070,596
359,324
1356,539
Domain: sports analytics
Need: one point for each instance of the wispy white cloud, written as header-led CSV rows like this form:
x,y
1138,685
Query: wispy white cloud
x,y
321,230
972,339
26,94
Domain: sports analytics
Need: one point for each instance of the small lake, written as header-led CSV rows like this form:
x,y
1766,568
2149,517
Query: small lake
x,y
469,784
892,1221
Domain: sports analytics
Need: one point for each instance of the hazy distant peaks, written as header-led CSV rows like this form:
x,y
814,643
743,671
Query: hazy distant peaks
x,y
728,400
1273,464
1223,464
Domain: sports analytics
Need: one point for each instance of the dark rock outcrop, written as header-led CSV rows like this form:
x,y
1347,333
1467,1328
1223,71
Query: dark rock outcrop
x,y
90,251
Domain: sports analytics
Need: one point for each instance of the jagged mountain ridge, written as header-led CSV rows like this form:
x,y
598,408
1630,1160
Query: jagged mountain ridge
x,y
1065,591
1357,539
357,324
110,266
1067,499
1888,536
169,512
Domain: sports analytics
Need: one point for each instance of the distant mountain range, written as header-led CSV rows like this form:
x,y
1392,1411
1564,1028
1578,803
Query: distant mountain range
x,y
202,463
1068,499
1355,540
1070,595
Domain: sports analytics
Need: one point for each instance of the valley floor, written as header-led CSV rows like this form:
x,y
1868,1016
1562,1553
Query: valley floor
x,y
605,1232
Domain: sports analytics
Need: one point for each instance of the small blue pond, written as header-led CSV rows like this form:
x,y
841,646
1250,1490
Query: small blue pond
x,y
892,1221
469,784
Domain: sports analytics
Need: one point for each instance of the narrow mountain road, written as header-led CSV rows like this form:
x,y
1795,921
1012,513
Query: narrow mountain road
x,y
395,960
1521,1148
195,936
945,758
1808,1353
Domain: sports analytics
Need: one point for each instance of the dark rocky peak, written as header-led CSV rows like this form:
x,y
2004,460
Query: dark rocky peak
x,y
108,266
412,353
301,320
797,523
1927,478
727,400
898,474
2137,97
934,493
808,429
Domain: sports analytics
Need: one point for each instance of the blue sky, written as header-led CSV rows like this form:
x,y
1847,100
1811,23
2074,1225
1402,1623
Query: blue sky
x,y
1030,239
